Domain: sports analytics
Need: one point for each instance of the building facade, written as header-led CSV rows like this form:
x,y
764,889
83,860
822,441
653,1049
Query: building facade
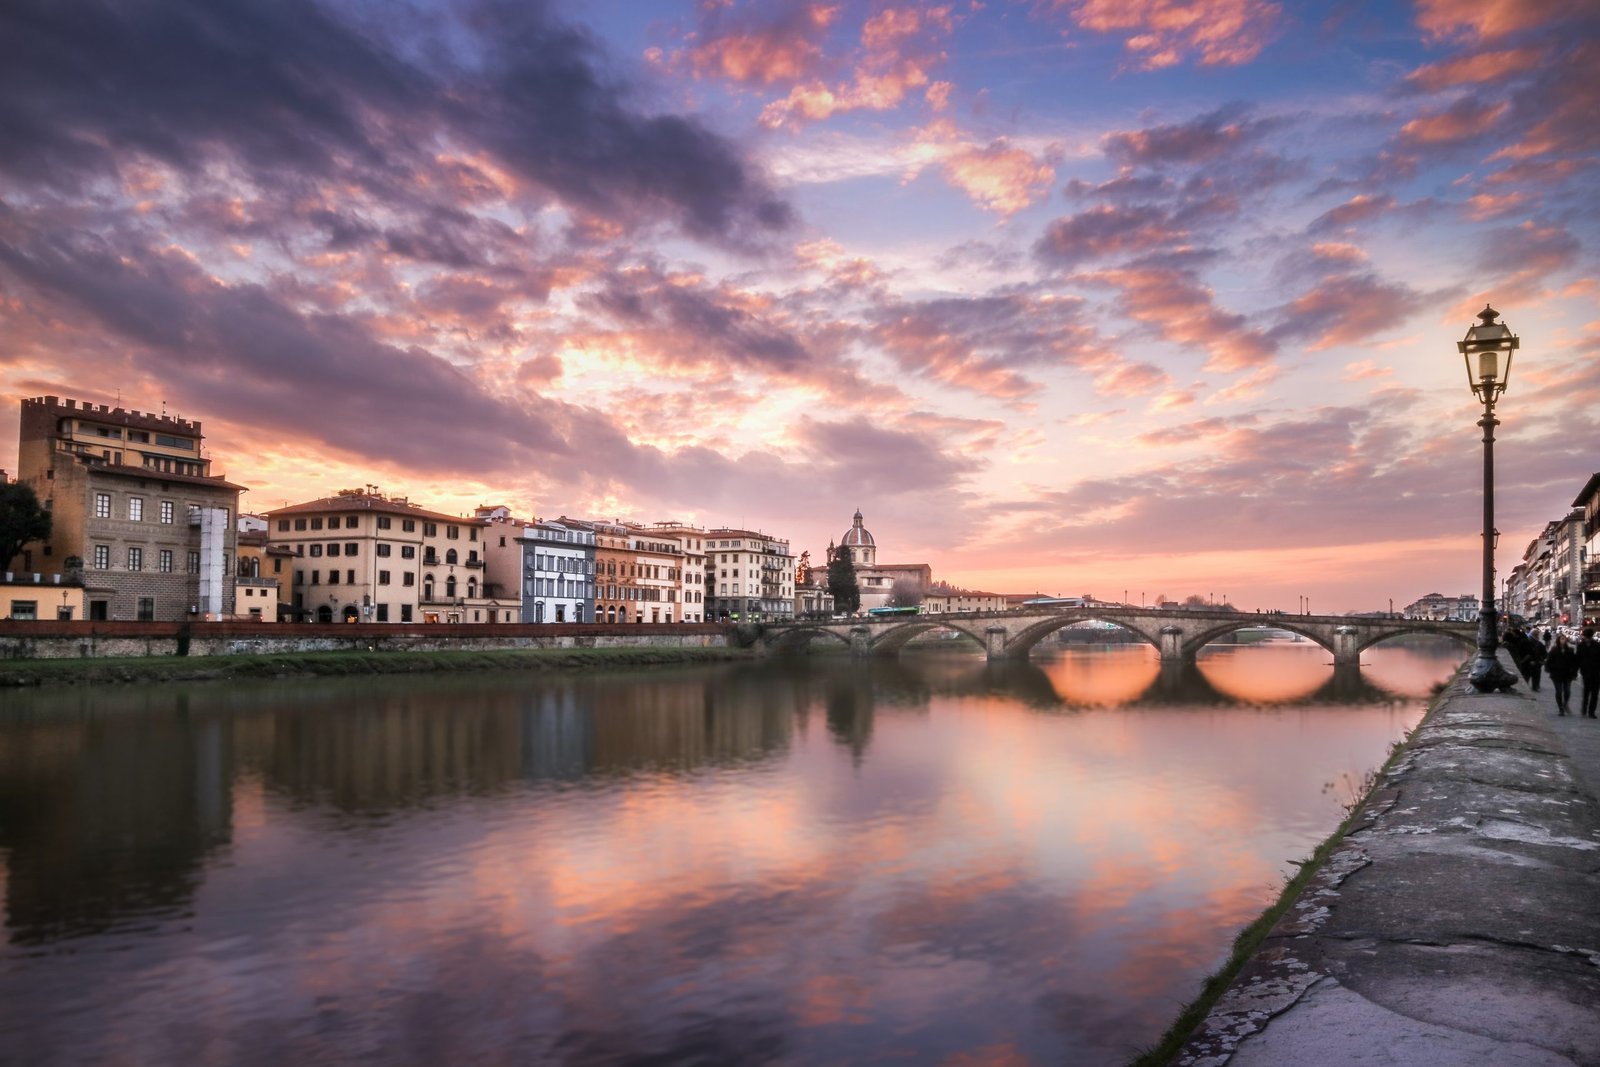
x,y
691,593
558,574
138,518
752,575
362,557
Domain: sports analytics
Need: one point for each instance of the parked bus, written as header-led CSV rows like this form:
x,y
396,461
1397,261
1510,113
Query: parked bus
x,y
881,612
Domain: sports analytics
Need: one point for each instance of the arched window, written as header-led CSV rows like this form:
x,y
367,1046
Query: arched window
x,y
427,590
450,556
450,587
472,587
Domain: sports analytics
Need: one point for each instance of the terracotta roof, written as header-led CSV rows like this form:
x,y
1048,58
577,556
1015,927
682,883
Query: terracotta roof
x,y
125,471
375,504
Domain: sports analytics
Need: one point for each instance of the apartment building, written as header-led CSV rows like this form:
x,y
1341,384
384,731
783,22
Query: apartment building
x,y
750,576
616,568
691,594
139,519
362,556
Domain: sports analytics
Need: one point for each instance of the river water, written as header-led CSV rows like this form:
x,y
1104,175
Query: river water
x,y
933,860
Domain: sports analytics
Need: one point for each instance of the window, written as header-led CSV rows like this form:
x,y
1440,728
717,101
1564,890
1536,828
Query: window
x,y
351,547
164,561
350,576
299,524
316,524
408,526
452,532
136,509
316,577
136,559
102,557
24,609
383,577
316,550
351,521
450,556
102,505
333,577
277,566
430,529
299,577
333,548
382,551
383,613
193,563
408,551
147,609
405,612
409,578
283,525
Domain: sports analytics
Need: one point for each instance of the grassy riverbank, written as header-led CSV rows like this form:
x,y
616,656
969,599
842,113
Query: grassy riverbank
x,y
21,673
1251,937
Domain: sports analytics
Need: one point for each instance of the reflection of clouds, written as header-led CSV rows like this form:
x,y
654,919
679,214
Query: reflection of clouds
x,y
987,882
1286,674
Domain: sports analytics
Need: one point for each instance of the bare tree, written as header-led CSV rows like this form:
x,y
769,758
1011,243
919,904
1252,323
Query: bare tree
x,y
906,592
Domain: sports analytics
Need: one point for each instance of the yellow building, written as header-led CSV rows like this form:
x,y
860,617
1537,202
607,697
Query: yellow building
x,y
360,556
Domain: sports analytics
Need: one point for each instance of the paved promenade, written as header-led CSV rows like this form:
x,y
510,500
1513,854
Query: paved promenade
x,y
1459,922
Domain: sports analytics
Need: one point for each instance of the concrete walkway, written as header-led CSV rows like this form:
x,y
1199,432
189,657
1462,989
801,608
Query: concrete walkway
x,y
1458,923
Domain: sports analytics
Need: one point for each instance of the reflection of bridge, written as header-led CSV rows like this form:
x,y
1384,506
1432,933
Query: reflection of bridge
x,y
1177,634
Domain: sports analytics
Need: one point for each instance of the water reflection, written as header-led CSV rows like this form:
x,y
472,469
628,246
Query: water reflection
x,y
815,861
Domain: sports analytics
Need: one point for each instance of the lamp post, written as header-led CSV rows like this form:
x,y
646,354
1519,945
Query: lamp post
x,y
1488,374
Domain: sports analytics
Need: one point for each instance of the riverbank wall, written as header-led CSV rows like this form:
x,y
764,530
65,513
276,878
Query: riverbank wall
x,y
1456,920
44,640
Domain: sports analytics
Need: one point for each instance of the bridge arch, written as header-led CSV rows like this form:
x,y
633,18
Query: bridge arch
x,y
802,635
1193,644
897,637
1419,626
1023,642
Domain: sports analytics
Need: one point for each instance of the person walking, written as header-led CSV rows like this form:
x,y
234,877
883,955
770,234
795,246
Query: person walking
x,y
1589,671
1533,661
1562,666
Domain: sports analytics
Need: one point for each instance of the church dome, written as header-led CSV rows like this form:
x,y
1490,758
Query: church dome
x,y
857,536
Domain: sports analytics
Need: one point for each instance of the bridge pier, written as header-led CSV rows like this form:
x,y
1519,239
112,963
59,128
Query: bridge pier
x,y
860,641
1171,646
994,642
1346,647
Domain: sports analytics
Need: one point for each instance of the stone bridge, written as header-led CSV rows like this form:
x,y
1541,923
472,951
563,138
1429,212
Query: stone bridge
x,y
1177,634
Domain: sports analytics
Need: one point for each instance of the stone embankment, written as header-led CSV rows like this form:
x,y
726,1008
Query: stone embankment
x,y
95,640
1457,922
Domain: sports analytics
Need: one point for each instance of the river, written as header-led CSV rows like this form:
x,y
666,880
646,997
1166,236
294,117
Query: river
x,y
799,861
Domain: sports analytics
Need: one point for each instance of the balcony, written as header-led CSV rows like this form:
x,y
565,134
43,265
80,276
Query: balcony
x,y
473,562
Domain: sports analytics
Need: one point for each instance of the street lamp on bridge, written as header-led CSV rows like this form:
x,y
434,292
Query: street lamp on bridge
x,y
1487,350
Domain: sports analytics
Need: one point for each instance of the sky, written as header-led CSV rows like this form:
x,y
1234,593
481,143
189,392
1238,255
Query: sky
x,y
1119,297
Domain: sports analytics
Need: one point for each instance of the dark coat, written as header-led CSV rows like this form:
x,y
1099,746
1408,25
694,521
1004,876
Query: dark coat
x,y
1562,663
1589,661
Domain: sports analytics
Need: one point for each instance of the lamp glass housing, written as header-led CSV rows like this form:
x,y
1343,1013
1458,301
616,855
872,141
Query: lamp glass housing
x,y
1481,350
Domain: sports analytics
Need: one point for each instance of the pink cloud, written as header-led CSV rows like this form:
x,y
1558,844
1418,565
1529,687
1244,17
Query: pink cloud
x,y
1346,309
1360,208
1480,68
1486,19
744,49
1464,120
1163,33
1173,301
998,176
897,51
1107,231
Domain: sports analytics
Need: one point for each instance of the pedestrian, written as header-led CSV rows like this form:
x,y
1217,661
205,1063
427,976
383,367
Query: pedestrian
x,y
1562,665
1532,661
1518,644
1589,670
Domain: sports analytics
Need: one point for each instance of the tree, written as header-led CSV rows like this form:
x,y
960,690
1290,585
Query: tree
x,y
21,520
906,592
842,584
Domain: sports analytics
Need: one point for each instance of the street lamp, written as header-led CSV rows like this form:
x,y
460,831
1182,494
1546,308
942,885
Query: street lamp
x,y
1487,350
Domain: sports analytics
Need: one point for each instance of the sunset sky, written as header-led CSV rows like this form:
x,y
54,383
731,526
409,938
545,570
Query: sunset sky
x,y
1081,296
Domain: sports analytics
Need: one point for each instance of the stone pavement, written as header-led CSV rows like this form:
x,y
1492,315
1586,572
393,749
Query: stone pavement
x,y
1458,923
